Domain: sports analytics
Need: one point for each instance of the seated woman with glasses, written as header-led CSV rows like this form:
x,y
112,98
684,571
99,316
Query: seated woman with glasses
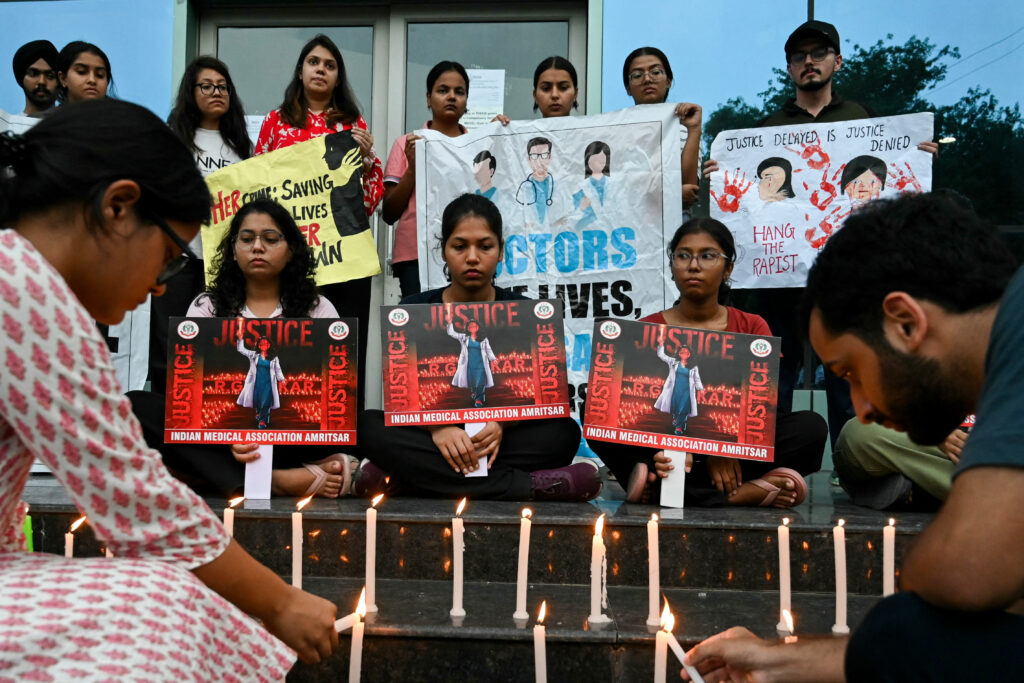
x,y
702,254
647,76
264,269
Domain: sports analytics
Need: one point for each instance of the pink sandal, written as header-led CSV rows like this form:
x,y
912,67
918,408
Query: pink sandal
x,y
320,474
799,486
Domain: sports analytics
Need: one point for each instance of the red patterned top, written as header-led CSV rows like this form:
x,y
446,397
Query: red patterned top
x,y
276,133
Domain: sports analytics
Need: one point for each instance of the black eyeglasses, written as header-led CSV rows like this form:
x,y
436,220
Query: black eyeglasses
x,y
818,54
210,88
178,263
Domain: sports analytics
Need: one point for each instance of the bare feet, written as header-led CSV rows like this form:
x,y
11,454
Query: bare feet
x,y
751,494
295,481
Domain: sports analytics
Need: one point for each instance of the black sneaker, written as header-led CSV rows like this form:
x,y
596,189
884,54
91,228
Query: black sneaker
x,y
578,482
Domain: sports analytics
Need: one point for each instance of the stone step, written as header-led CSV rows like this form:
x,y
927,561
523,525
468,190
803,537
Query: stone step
x,y
715,549
413,638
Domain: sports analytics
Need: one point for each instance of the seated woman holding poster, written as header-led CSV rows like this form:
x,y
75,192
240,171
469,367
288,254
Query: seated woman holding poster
x,y
101,202
525,460
702,252
264,269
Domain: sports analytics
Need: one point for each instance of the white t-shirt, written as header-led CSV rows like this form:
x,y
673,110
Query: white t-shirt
x,y
213,155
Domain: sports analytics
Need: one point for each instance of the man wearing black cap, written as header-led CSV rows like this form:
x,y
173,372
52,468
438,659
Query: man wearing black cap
x,y
35,69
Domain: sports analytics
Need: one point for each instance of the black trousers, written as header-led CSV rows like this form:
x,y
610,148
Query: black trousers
x,y
799,445
181,290
906,640
352,300
408,275
210,469
416,467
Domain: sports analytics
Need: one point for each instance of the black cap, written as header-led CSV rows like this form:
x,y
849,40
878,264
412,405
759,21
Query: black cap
x,y
28,53
813,29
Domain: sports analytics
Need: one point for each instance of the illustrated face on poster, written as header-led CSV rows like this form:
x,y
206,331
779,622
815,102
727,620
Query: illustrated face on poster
x,y
473,362
683,389
264,381
585,221
809,179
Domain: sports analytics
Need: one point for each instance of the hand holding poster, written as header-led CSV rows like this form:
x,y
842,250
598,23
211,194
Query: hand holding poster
x,y
588,204
784,190
473,362
320,183
683,389
264,381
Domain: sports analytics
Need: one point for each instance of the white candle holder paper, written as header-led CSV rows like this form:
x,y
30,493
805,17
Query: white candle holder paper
x,y
258,473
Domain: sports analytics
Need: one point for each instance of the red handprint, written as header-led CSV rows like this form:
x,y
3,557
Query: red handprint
x,y
903,180
828,225
729,202
824,195
813,150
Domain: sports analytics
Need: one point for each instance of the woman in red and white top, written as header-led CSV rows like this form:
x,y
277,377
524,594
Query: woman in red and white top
x,y
317,102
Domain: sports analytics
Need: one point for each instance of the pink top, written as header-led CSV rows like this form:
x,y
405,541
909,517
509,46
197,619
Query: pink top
x,y
405,228
275,133
202,307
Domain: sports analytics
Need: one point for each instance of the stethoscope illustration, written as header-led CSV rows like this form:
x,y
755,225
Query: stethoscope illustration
x,y
529,181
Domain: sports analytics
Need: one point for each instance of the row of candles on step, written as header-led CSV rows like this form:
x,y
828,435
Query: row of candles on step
x,y
598,571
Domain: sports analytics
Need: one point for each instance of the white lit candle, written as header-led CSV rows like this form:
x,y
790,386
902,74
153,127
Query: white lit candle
x,y
660,656
458,545
524,561
889,558
297,542
107,552
597,575
667,622
371,554
653,572
355,660
540,657
839,540
349,620
69,537
784,598
787,623
229,514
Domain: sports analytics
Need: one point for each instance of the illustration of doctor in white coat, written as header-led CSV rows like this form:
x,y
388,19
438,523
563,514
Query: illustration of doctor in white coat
x,y
593,201
679,394
474,368
542,199
260,388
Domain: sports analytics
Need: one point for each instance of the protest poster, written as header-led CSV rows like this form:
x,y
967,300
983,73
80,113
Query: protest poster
x,y
784,190
588,204
320,183
726,407
282,381
473,362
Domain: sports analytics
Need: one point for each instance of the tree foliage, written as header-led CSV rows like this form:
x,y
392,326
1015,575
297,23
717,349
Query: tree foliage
x,y
892,79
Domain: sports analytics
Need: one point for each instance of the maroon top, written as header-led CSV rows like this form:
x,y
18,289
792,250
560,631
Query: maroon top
x,y
739,322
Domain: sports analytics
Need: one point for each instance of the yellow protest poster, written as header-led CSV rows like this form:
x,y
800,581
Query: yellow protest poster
x,y
320,183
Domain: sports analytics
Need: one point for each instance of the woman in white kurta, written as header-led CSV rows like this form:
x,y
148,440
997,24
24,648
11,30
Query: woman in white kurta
x,y
260,388
473,370
678,395
87,201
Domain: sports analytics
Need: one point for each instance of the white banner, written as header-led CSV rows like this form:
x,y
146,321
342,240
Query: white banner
x,y
588,205
784,190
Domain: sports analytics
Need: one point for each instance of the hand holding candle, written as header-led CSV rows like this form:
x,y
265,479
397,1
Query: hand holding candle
x,y
839,540
540,660
229,514
297,542
524,561
458,546
667,622
371,554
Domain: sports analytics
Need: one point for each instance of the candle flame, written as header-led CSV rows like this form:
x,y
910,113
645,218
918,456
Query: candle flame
x,y
377,499
77,523
361,606
543,611
235,501
892,522
303,503
527,513
841,522
667,619
787,619
387,480
654,518
462,506
785,521
599,526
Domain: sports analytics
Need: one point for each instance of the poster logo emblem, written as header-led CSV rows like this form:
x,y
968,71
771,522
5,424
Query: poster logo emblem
x,y
610,329
338,330
188,329
544,310
398,317
760,347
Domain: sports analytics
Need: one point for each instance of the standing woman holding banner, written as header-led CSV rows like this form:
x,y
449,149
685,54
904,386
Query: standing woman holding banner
x,y
319,101
647,76
83,73
555,87
98,205
701,254
447,91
